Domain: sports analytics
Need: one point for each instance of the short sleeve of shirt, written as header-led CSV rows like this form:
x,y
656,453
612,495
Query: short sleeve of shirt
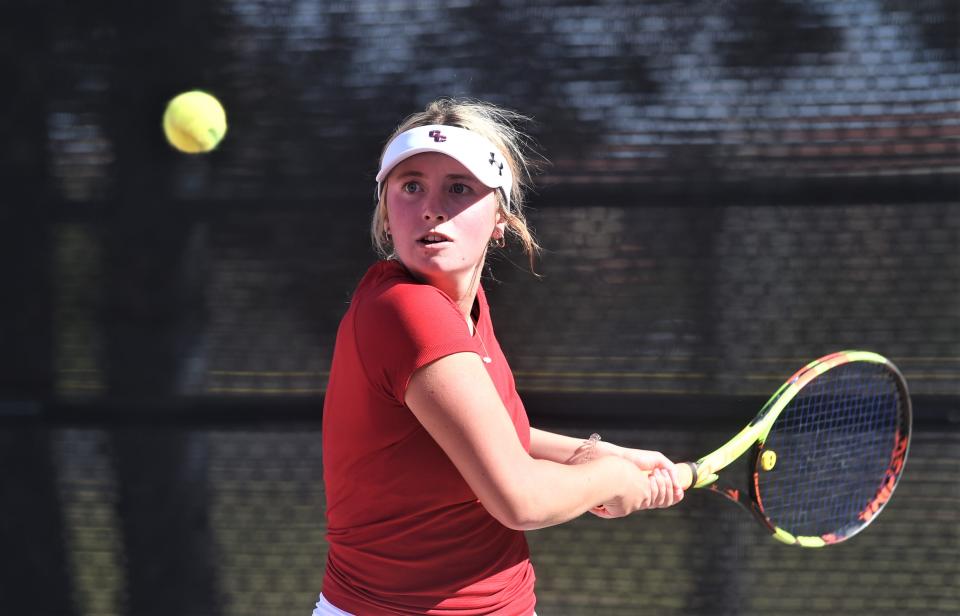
x,y
401,327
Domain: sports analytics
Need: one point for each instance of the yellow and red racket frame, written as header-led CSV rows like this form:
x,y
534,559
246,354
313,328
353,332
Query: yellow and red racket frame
x,y
755,433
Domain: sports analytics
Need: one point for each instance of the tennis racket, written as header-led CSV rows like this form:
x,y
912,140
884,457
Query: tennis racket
x,y
825,452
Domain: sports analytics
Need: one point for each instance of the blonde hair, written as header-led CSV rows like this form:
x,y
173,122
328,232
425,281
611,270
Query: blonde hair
x,y
500,127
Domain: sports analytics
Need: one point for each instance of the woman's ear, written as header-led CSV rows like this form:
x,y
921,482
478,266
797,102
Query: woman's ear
x,y
500,229
500,226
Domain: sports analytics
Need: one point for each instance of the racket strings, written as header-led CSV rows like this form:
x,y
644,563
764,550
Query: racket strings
x,y
834,444
836,435
853,430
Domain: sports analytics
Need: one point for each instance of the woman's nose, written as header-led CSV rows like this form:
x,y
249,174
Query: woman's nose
x,y
433,208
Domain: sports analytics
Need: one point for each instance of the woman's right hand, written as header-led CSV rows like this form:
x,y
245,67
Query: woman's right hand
x,y
643,489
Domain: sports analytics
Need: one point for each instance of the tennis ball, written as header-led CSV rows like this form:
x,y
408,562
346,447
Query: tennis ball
x,y
194,122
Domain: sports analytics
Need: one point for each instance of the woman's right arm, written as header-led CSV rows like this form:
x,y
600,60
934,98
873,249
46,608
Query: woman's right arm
x,y
457,403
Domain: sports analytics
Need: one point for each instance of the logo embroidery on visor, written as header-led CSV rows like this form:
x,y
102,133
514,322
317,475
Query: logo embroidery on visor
x,y
493,161
437,136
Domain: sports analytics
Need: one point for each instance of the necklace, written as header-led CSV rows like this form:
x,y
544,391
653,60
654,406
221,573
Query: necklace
x,y
486,355
476,334
475,331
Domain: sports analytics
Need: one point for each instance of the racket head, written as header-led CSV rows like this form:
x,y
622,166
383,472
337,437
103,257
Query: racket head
x,y
834,443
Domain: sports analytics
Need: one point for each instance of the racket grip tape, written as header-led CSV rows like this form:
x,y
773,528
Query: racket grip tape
x,y
687,473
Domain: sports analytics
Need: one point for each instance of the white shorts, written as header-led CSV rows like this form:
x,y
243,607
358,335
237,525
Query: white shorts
x,y
325,608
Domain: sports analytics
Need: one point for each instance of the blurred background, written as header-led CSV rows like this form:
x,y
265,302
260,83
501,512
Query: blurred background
x,y
736,188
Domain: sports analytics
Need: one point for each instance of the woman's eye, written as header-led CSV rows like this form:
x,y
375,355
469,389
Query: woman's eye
x,y
459,188
411,187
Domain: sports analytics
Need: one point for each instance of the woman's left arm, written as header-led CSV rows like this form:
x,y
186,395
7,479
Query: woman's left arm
x,y
569,450
554,447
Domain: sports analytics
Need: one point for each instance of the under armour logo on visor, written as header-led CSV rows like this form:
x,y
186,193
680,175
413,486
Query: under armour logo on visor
x,y
437,136
493,161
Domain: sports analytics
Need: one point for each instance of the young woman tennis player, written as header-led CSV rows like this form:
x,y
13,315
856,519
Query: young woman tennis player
x,y
432,470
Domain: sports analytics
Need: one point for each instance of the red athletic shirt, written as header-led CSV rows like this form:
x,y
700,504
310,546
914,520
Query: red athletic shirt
x,y
406,533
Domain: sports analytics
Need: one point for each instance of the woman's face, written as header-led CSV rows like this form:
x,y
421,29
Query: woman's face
x,y
440,216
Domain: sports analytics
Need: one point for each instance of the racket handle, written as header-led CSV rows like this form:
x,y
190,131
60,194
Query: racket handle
x,y
687,473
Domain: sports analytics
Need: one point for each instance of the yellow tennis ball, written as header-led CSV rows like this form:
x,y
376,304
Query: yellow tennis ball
x,y
194,122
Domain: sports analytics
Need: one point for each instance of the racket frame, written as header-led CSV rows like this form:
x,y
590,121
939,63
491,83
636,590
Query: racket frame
x,y
754,434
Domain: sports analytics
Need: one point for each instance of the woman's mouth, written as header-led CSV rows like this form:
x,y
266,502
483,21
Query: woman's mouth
x,y
433,238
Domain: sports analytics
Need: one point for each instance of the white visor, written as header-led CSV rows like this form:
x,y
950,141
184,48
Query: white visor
x,y
477,154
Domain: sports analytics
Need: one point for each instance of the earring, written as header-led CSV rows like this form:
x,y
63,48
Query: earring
x,y
498,241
